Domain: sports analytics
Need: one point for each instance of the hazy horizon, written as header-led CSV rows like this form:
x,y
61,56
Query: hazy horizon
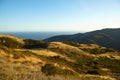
x,y
58,15
76,31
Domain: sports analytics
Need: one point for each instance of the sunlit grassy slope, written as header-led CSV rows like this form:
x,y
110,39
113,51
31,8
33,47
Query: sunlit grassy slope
x,y
25,59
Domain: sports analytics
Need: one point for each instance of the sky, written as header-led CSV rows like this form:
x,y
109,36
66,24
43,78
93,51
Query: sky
x,y
59,15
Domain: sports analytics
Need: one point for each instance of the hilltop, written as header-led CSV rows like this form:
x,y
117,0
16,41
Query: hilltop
x,y
105,37
26,59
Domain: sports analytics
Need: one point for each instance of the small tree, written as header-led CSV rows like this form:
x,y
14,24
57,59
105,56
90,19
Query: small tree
x,y
49,69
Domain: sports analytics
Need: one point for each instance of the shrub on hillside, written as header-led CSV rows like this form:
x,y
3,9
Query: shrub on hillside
x,y
71,43
112,64
50,69
98,50
33,44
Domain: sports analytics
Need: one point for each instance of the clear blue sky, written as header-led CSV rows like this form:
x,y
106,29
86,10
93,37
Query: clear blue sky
x,y
59,15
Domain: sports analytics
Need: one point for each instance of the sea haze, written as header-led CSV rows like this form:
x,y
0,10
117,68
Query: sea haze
x,y
38,35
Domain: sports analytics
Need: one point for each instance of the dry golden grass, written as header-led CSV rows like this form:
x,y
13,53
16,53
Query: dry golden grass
x,y
112,55
20,40
29,62
91,46
2,53
60,45
95,77
10,71
44,52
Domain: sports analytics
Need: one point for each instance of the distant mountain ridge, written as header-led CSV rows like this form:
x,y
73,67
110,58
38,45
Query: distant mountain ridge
x,y
108,37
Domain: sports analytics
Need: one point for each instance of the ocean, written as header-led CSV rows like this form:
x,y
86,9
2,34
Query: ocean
x,y
38,35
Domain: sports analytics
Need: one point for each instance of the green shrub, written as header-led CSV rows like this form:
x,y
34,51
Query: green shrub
x,y
98,50
71,43
93,71
112,64
49,69
33,44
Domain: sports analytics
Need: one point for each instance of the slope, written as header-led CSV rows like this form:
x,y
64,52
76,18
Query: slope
x,y
105,37
65,60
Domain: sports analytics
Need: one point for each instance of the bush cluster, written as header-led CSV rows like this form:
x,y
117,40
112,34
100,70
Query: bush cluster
x,y
98,50
71,43
112,64
50,69
33,44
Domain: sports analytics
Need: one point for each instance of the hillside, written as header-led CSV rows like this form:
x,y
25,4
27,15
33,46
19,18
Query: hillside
x,y
39,60
105,37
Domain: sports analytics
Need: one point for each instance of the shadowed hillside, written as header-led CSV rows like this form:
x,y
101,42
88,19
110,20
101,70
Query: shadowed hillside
x,y
39,60
105,37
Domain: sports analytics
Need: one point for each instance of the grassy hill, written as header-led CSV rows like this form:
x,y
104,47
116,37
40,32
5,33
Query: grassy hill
x,y
24,59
